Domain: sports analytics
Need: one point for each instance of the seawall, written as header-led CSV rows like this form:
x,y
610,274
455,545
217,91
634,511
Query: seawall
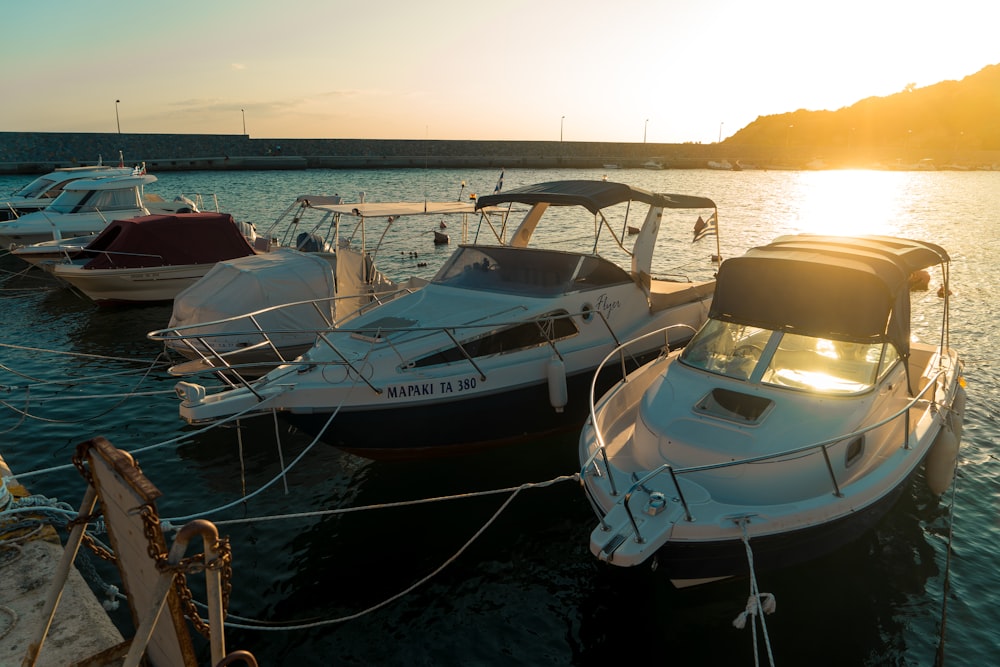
x,y
40,152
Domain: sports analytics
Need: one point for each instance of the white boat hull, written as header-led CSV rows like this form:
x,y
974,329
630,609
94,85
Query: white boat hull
x,y
149,284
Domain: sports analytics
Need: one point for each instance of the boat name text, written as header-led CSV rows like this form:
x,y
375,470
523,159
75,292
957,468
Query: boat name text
x,y
440,387
606,306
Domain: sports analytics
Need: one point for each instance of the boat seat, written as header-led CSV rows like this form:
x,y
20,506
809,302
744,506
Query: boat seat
x,y
665,294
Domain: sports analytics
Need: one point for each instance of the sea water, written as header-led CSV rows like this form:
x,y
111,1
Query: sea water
x,y
478,580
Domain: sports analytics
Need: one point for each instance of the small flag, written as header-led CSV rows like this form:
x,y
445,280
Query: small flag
x,y
703,228
499,186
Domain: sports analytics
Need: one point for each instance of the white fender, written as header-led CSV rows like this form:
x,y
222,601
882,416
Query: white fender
x,y
558,394
939,468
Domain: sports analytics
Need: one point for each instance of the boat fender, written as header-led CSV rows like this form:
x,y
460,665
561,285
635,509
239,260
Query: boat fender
x,y
939,469
558,394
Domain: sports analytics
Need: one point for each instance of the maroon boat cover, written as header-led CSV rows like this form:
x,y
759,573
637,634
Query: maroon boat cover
x,y
167,240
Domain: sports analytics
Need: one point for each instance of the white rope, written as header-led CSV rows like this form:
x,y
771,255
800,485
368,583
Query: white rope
x,y
281,454
419,582
183,437
758,603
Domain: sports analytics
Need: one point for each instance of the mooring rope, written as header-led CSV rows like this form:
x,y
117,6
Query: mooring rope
x,y
514,491
758,604
946,585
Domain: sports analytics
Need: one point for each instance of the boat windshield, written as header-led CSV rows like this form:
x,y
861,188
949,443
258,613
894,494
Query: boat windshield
x,y
87,201
788,360
37,188
529,271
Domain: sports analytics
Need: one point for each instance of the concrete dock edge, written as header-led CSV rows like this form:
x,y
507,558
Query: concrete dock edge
x,y
82,633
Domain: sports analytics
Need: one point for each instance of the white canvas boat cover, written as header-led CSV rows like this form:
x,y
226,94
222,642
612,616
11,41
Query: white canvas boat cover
x,y
247,284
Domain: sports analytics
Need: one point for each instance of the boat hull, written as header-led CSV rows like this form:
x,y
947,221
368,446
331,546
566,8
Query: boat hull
x,y
144,285
456,426
692,561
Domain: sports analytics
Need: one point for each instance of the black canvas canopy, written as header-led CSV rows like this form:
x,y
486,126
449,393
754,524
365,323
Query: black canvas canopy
x,y
592,195
843,288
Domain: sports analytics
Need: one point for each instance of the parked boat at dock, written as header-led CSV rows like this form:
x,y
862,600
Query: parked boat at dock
x,y
254,313
86,206
39,193
152,258
788,425
500,345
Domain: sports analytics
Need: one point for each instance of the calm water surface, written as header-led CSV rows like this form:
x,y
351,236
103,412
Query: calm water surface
x,y
527,591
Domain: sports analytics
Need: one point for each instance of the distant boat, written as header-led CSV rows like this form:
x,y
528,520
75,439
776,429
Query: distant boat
x,y
611,165
720,164
652,164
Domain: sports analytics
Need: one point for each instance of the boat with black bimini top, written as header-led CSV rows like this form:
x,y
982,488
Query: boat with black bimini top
x,y
503,341
791,422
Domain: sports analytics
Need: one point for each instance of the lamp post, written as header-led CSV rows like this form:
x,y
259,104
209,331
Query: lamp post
x,y
244,112
117,119
561,121
720,131
644,128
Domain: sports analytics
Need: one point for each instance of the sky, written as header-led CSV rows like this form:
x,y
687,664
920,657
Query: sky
x,y
662,71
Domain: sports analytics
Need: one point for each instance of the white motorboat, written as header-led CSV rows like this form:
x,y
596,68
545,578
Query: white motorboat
x,y
791,422
42,191
85,207
255,313
152,258
503,341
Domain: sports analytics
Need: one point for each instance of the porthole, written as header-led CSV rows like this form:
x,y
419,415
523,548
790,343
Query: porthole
x,y
587,312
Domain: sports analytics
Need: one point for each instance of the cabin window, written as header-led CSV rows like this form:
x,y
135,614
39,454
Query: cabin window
x,y
518,337
855,450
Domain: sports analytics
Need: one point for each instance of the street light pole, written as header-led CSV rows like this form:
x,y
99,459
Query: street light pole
x,y
561,120
644,128
244,112
720,131
117,119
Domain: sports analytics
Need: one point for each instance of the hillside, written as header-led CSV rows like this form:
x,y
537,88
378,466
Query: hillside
x,y
951,117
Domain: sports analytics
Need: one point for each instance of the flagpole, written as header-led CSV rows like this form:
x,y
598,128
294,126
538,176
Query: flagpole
x,y
718,251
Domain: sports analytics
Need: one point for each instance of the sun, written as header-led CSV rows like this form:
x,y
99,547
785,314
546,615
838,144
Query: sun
x,y
848,202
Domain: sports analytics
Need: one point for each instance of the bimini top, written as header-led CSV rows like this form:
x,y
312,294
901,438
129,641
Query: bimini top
x,y
592,195
843,288
167,240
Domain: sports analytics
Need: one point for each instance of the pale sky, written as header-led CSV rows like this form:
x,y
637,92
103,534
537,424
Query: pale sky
x,y
666,71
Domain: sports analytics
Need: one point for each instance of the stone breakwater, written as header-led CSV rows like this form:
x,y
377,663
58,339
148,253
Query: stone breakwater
x,y
40,152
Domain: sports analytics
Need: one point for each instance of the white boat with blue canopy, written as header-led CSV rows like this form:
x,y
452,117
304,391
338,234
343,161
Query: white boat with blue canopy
x,y
791,422
503,342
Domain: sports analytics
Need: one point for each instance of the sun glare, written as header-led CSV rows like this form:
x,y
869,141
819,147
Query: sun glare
x,y
848,202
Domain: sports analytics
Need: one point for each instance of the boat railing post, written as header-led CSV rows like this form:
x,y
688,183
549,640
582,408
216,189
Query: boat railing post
x,y
482,375
833,478
680,494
